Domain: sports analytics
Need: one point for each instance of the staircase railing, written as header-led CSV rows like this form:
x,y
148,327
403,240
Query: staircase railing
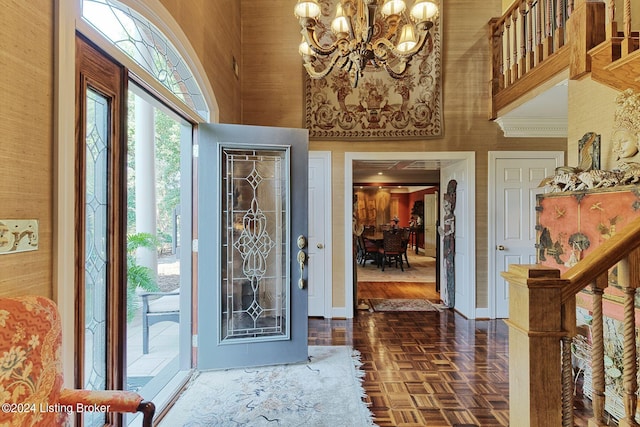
x,y
542,325
536,40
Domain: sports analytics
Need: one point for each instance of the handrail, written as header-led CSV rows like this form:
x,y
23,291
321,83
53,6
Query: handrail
x,y
602,259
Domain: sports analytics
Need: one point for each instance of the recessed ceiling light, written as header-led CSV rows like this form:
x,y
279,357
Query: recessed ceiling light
x,y
379,173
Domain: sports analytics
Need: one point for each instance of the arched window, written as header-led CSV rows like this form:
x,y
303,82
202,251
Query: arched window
x,y
148,47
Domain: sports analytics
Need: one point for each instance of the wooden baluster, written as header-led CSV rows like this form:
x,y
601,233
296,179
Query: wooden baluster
x,y
612,26
497,82
530,60
628,280
559,34
597,352
569,326
507,69
567,383
627,43
539,47
514,71
548,34
502,55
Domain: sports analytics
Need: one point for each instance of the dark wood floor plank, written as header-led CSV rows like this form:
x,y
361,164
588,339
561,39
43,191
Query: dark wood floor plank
x,y
434,369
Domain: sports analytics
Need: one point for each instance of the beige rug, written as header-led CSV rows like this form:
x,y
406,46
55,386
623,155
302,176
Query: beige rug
x,y
423,269
403,305
324,392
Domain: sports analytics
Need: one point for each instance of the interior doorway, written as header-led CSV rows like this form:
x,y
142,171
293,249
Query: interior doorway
x,y
445,166
383,211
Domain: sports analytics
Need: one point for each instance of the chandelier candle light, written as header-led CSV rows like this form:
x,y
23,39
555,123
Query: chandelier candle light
x,y
360,39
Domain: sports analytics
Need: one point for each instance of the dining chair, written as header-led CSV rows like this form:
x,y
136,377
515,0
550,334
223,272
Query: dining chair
x,y
406,233
391,249
369,251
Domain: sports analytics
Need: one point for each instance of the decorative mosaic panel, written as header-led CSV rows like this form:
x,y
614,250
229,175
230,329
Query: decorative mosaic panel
x,y
255,208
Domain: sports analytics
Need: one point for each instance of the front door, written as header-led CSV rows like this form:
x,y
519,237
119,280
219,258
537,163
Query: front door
x,y
252,231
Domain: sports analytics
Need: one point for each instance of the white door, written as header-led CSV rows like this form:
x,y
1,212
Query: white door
x,y
514,180
430,223
320,282
252,226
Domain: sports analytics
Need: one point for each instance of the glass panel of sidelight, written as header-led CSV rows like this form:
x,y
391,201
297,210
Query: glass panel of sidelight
x,y
96,236
255,275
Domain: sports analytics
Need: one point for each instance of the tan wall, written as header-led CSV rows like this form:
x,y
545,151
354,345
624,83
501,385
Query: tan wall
x,y
26,139
272,95
213,28
591,109
268,92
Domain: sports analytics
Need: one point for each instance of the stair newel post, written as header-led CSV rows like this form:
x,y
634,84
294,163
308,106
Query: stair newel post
x,y
535,333
628,278
597,352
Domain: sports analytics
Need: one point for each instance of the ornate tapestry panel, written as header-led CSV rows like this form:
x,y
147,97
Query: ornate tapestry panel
x,y
381,107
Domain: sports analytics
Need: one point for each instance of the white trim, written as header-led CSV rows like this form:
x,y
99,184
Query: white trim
x,y
491,220
64,180
482,313
340,313
328,231
463,172
540,127
447,156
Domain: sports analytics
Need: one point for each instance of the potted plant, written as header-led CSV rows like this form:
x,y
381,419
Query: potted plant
x,y
139,276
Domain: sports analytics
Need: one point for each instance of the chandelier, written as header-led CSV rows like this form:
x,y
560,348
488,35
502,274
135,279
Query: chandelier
x,y
362,38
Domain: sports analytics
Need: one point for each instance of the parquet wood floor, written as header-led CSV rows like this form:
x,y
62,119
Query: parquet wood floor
x,y
432,369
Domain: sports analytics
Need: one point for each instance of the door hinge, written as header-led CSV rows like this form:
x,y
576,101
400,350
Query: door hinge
x,y
194,245
196,151
194,341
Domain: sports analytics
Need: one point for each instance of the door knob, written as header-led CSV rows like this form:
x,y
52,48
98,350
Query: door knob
x,y
500,248
319,246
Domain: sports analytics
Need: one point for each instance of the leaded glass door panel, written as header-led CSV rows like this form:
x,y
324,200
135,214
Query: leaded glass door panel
x,y
252,208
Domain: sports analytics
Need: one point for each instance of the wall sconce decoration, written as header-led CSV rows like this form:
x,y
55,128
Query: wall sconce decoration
x,y
18,235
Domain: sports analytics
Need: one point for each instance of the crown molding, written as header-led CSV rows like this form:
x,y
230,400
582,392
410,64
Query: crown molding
x,y
540,127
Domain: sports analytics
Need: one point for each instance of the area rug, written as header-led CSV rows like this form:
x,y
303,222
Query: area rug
x,y
403,305
325,391
423,269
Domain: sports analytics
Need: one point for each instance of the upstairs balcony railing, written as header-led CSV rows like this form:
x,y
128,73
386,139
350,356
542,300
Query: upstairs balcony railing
x,y
542,327
535,40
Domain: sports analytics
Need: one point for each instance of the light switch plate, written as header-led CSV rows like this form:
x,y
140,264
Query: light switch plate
x,y
18,235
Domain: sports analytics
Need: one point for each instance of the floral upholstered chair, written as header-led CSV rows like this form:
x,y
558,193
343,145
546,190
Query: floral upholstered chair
x,y
31,391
